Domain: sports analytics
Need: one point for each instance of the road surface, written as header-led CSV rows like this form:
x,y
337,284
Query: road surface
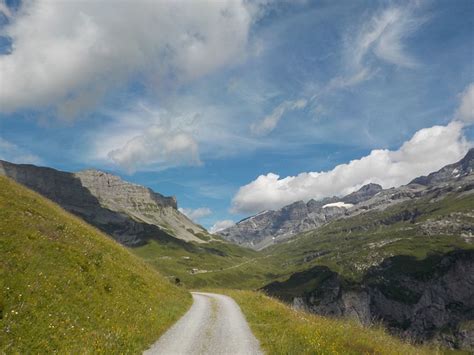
x,y
214,325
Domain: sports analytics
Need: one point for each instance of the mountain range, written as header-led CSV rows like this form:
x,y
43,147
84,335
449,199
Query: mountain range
x,y
270,227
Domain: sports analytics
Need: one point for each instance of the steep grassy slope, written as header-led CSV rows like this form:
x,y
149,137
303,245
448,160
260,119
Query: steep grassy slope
x,y
67,288
282,330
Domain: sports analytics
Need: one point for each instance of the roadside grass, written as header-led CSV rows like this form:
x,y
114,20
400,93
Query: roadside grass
x,y
283,330
68,288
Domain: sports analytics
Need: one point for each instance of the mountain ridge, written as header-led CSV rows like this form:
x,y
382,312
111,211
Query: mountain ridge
x,y
128,212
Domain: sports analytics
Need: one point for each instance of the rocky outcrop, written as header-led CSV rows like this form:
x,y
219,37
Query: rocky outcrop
x,y
453,171
430,299
114,192
130,213
365,193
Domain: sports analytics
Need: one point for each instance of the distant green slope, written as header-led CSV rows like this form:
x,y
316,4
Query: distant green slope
x,y
68,288
215,264
351,246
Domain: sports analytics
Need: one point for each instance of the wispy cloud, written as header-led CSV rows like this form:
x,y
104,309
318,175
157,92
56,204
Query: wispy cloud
x,y
383,36
13,153
196,214
221,225
269,123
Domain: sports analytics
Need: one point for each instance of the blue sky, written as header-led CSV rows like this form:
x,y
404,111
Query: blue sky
x,y
238,106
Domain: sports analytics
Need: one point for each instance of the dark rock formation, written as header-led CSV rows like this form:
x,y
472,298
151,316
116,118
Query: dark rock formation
x,y
430,299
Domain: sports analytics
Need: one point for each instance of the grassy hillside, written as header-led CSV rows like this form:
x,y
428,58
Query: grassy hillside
x,y
66,287
282,330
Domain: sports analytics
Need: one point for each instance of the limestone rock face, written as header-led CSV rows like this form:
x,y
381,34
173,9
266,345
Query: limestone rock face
x,y
130,213
116,193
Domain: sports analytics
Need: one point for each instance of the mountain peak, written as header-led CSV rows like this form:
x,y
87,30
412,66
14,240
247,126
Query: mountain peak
x,y
468,158
363,194
462,168
370,187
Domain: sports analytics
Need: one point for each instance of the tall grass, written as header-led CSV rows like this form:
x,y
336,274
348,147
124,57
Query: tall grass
x,y
282,330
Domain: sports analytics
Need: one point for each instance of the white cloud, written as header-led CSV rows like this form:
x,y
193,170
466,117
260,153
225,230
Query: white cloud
x,y
211,132
13,153
383,37
196,214
64,50
221,225
428,150
269,123
465,112
157,146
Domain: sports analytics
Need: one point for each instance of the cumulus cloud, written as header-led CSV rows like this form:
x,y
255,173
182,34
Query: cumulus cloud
x,y
15,154
157,146
428,150
196,214
221,225
63,50
210,131
465,112
269,123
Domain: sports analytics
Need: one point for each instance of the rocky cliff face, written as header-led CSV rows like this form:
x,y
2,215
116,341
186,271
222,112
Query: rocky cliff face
x,y
431,299
130,213
116,193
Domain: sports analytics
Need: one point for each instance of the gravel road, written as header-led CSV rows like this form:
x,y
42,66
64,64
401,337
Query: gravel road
x,y
213,325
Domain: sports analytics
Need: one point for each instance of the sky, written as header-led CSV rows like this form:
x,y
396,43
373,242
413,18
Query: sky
x,y
236,106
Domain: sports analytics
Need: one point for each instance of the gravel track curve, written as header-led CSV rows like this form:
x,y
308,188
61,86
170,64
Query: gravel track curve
x,y
213,325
